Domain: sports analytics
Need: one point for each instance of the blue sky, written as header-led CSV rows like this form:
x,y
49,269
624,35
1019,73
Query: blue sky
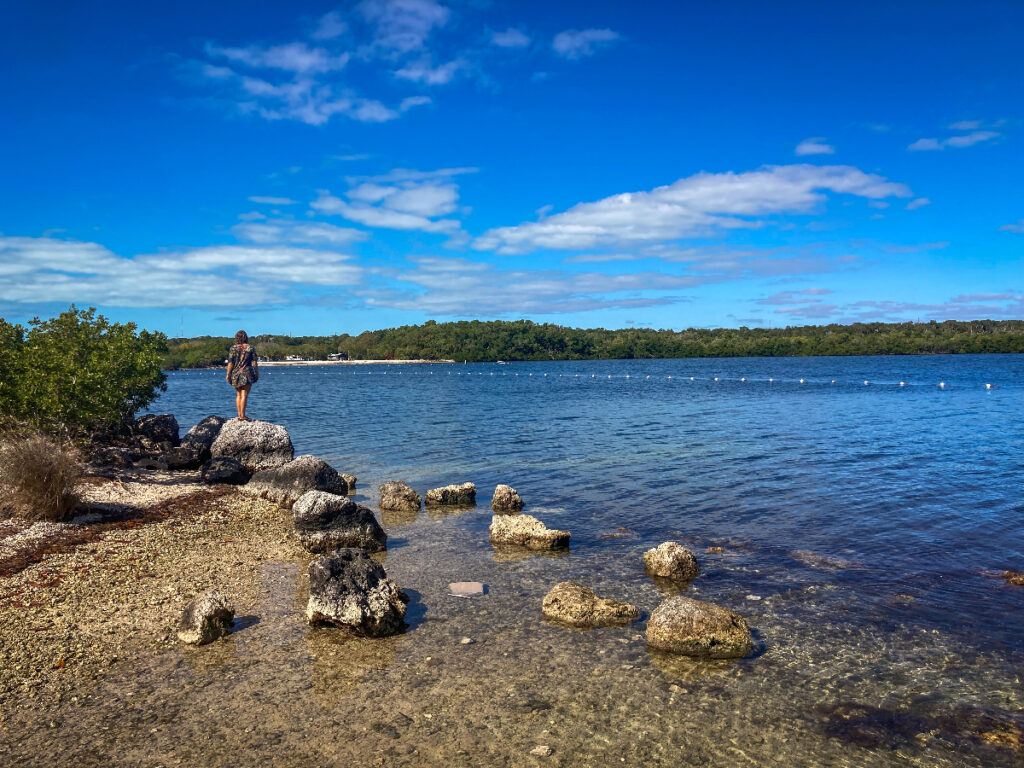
x,y
202,166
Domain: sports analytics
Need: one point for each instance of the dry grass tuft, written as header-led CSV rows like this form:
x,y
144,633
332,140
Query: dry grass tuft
x,y
38,476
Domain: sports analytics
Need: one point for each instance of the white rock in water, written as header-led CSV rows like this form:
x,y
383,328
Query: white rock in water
x,y
258,445
467,588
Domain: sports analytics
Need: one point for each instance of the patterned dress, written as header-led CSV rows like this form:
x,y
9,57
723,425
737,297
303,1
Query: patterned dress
x,y
244,366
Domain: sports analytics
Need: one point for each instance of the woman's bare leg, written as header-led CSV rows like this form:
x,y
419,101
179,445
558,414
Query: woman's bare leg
x,y
238,403
243,400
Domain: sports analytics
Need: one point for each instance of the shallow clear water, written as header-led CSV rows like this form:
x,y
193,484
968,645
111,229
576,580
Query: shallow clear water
x,y
864,528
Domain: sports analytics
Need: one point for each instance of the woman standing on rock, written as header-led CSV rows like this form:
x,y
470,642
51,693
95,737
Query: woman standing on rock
x,y
243,371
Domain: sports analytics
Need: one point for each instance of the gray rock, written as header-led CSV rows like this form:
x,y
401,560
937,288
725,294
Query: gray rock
x,y
185,456
326,522
285,484
157,428
506,500
258,445
526,531
694,628
223,470
453,495
398,497
350,480
671,560
348,589
204,433
576,605
205,619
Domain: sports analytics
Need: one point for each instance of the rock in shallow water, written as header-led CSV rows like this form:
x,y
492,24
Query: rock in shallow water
x,y
285,484
396,496
506,499
453,495
1014,577
578,606
223,470
671,560
326,522
258,445
526,531
348,589
694,628
205,619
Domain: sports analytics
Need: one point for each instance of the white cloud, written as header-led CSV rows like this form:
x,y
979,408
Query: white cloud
x,y
695,205
814,146
402,26
329,26
956,142
298,58
276,231
965,125
423,72
579,43
918,202
510,38
1017,227
270,200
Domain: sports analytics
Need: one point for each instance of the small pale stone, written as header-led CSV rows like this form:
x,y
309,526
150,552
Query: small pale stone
x,y
467,641
467,588
671,560
542,750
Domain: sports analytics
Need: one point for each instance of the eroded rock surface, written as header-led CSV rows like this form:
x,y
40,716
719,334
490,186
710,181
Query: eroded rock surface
x,y
285,484
396,496
204,433
350,590
205,619
224,470
694,628
576,605
1014,577
258,445
157,428
526,531
506,500
453,495
326,522
671,560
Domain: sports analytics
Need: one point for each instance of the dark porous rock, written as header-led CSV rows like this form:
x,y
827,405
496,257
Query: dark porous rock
x,y
157,428
506,500
184,456
576,605
526,531
1014,577
453,495
285,484
205,619
694,628
223,470
326,522
350,590
151,462
671,560
258,445
112,457
203,434
398,497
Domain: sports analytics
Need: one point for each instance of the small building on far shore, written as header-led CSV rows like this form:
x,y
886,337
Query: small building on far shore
x,y
338,356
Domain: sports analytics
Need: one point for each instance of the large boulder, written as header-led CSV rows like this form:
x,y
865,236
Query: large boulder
x,y
258,445
350,590
285,484
506,500
694,628
526,531
671,560
205,619
578,606
184,456
157,429
204,433
398,497
224,470
453,495
326,522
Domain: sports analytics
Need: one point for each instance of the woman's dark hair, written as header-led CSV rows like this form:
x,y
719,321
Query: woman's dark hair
x,y
242,337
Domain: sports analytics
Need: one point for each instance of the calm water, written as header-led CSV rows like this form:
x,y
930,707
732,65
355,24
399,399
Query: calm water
x,y
864,527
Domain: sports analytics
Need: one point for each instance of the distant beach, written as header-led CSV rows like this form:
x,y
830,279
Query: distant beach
x,y
350,362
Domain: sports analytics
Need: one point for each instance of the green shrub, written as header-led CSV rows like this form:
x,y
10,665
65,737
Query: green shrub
x,y
39,475
78,372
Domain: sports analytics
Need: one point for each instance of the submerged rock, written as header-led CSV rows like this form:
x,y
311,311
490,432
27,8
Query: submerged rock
x,y
258,445
578,606
671,560
348,589
326,522
453,495
694,628
157,428
467,588
526,531
224,470
399,497
1014,577
204,433
205,619
506,499
285,484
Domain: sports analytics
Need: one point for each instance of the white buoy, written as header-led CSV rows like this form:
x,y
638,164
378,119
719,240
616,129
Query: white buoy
x,y
691,378
903,383
942,385
988,386
801,381
771,380
866,382
744,378
716,378
670,377
833,381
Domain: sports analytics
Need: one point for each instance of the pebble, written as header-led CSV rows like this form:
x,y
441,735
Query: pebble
x,y
542,750
467,641
467,588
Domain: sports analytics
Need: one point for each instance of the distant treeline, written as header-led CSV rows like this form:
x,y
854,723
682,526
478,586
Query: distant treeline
x,y
526,340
